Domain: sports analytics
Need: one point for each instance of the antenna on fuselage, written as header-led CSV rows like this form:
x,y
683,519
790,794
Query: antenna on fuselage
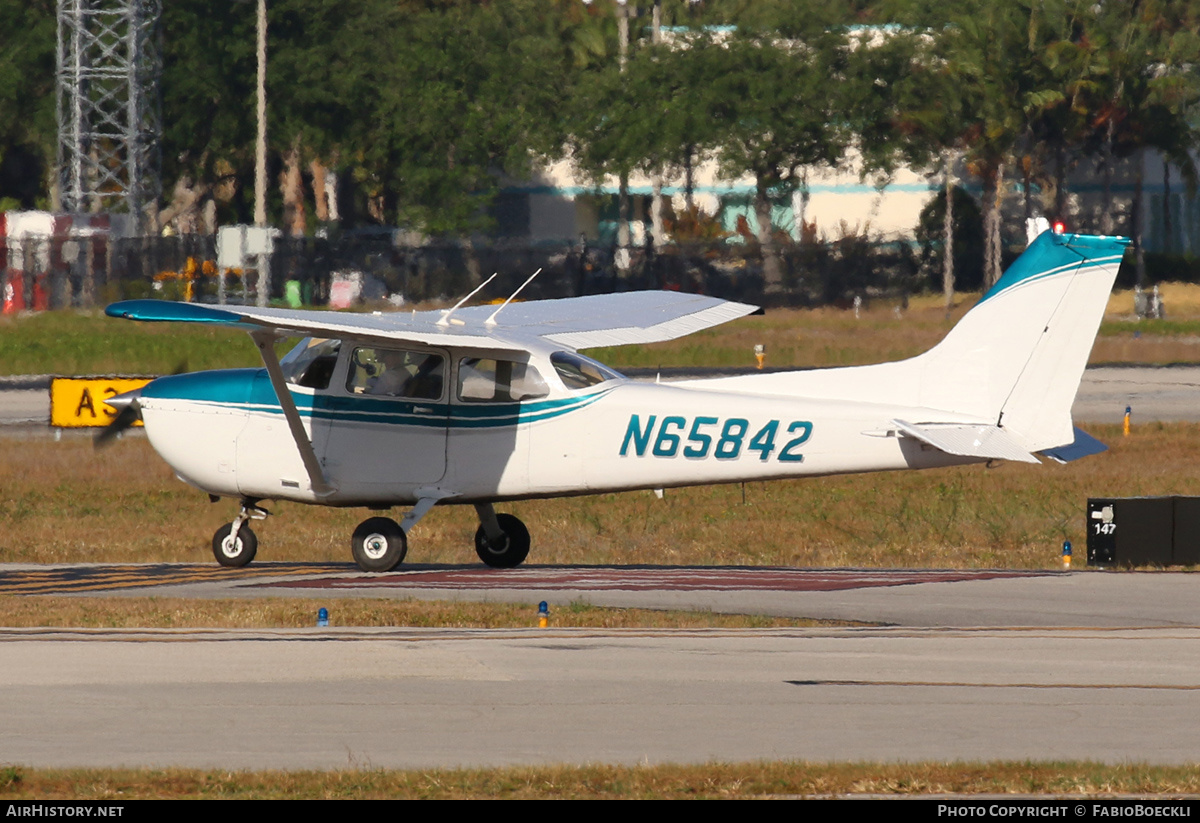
x,y
445,318
491,321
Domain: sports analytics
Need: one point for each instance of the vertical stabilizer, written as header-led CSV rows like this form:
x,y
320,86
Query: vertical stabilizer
x,y
1038,407
1018,355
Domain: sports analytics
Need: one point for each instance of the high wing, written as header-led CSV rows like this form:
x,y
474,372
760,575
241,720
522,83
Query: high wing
x,y
572,322
612,319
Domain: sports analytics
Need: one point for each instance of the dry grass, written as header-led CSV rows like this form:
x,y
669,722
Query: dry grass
x,y
803,338
63,503
24,611
709,781
1180,299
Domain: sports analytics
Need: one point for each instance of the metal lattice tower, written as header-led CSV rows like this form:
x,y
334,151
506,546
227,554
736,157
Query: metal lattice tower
x,y
108,105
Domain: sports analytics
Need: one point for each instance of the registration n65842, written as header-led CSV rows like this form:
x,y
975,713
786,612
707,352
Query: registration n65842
x,y
723,438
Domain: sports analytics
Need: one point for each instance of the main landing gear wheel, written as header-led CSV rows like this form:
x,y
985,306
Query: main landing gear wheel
x,y
378,544
508,551
232,552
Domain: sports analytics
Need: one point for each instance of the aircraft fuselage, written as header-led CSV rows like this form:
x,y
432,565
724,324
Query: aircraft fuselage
x,y
225,433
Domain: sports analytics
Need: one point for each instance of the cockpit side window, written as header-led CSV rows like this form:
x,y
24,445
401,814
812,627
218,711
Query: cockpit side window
x,y
483,380
579,372
311,363
395,373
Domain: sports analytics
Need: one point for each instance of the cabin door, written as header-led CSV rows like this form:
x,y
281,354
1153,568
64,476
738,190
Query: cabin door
x,y
387,422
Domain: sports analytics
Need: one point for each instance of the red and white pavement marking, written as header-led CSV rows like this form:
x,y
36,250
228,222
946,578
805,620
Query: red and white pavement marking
x,y
650,579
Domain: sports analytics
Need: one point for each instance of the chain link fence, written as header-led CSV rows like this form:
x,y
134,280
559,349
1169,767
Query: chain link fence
x,y
44,273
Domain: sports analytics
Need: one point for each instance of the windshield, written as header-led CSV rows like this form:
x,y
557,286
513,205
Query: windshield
x,y
311,362
579,372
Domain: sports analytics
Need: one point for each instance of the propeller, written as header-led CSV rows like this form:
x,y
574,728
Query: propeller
x,y
129,413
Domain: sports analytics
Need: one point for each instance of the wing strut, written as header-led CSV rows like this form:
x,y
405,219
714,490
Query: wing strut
x,y
264,341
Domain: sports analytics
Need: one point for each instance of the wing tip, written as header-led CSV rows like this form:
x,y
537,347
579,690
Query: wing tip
x,y
165,311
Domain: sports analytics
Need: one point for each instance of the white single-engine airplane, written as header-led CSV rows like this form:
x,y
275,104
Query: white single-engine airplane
x,y
480,405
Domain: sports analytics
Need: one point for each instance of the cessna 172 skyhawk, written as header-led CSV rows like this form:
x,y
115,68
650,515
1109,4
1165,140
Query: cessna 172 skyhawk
x,y
480,405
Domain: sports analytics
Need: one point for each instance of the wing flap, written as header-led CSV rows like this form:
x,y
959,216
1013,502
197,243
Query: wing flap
x,y
984,442
634,322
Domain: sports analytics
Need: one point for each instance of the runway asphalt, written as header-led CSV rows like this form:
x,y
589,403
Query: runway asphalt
x,y
339,699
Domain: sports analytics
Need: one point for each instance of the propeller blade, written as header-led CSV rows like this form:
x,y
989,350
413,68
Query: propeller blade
x,y
130,412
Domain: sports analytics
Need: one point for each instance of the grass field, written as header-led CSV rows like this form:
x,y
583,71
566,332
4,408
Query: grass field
x,y
713,781
24,611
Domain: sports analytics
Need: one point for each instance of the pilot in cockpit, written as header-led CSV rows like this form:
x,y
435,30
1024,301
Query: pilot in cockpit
x,y
407,374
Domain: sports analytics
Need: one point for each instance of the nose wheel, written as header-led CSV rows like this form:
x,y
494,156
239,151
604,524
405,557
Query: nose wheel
x,y
234,550
234,545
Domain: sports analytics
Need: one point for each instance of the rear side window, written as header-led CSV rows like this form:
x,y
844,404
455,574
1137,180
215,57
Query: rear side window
x,y
483,380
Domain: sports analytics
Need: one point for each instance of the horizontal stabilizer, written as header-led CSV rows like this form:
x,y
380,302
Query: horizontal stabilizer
x,y
1084,445
984,442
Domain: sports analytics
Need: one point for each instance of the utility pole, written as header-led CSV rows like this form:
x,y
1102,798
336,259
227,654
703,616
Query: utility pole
x,y
623,261
263,264
107,102
656,207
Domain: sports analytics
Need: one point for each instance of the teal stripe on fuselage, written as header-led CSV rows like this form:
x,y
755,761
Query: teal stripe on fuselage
x,y
250,390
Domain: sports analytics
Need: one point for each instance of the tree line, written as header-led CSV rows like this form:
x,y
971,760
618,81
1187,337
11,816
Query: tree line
x,y
413,112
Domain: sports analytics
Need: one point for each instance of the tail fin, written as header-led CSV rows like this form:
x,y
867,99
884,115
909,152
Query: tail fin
x,y
1014,361
1017,357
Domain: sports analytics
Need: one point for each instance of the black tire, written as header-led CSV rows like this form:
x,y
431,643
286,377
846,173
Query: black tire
x,y
378,544
234,554
515,546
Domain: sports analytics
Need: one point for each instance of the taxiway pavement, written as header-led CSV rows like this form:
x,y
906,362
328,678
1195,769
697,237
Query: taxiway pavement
x,y
327,699
916,598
